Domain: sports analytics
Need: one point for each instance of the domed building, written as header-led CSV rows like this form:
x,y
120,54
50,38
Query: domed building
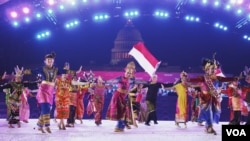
x,y
125,39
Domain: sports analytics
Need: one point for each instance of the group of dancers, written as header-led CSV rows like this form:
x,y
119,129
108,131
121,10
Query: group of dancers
x,y
133,100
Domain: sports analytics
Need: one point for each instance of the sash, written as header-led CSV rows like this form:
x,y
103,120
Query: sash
x,y
210,85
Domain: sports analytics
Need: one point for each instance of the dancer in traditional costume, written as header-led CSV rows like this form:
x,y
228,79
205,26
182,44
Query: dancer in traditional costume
x,y
195,105
82,90
245,82
14,101
117,107
210,107
25,107
181,88
234,91
141,99
62,99
7,95
96,103
48,74
72,104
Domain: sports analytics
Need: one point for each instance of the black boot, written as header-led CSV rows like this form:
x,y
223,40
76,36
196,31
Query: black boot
x,y
154,117
148,119
237,118
248,119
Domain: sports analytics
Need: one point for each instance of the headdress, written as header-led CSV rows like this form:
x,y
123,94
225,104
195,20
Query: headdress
x,y
50,55
246,74
90,76
131,65
183,74
206,63
99,78
18,71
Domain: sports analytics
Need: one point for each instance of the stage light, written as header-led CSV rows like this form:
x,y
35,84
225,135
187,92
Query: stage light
x,y
162,14
26,10
192,18
204,1
13,14
51,2
246,37
15,24
220,26
101,17
71,24
61,7
216,3
50,11
131,14
43,35
228,6
27,19
192,1
38,15
239,11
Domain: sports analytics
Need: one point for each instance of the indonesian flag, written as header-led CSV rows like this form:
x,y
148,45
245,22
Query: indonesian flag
x,y
146,60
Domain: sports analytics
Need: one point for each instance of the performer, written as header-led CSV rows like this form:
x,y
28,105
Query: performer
x,y
117,107
246,91
195,105
7,95
16,88
25,107
141,99
80,105
48,74
151,97
62,99
132,107
181,88
97,99
72,104
210,108
234,91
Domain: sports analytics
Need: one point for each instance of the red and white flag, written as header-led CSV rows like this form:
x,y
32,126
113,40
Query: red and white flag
x,y
146,60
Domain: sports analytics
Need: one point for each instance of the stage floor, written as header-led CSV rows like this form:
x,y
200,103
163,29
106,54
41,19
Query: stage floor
x,y
88,131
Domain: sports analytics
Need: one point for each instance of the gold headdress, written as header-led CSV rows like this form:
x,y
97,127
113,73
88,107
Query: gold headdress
x,y
206,63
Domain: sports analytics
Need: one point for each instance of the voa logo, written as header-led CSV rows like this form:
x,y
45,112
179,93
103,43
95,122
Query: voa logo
x,y
236,132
